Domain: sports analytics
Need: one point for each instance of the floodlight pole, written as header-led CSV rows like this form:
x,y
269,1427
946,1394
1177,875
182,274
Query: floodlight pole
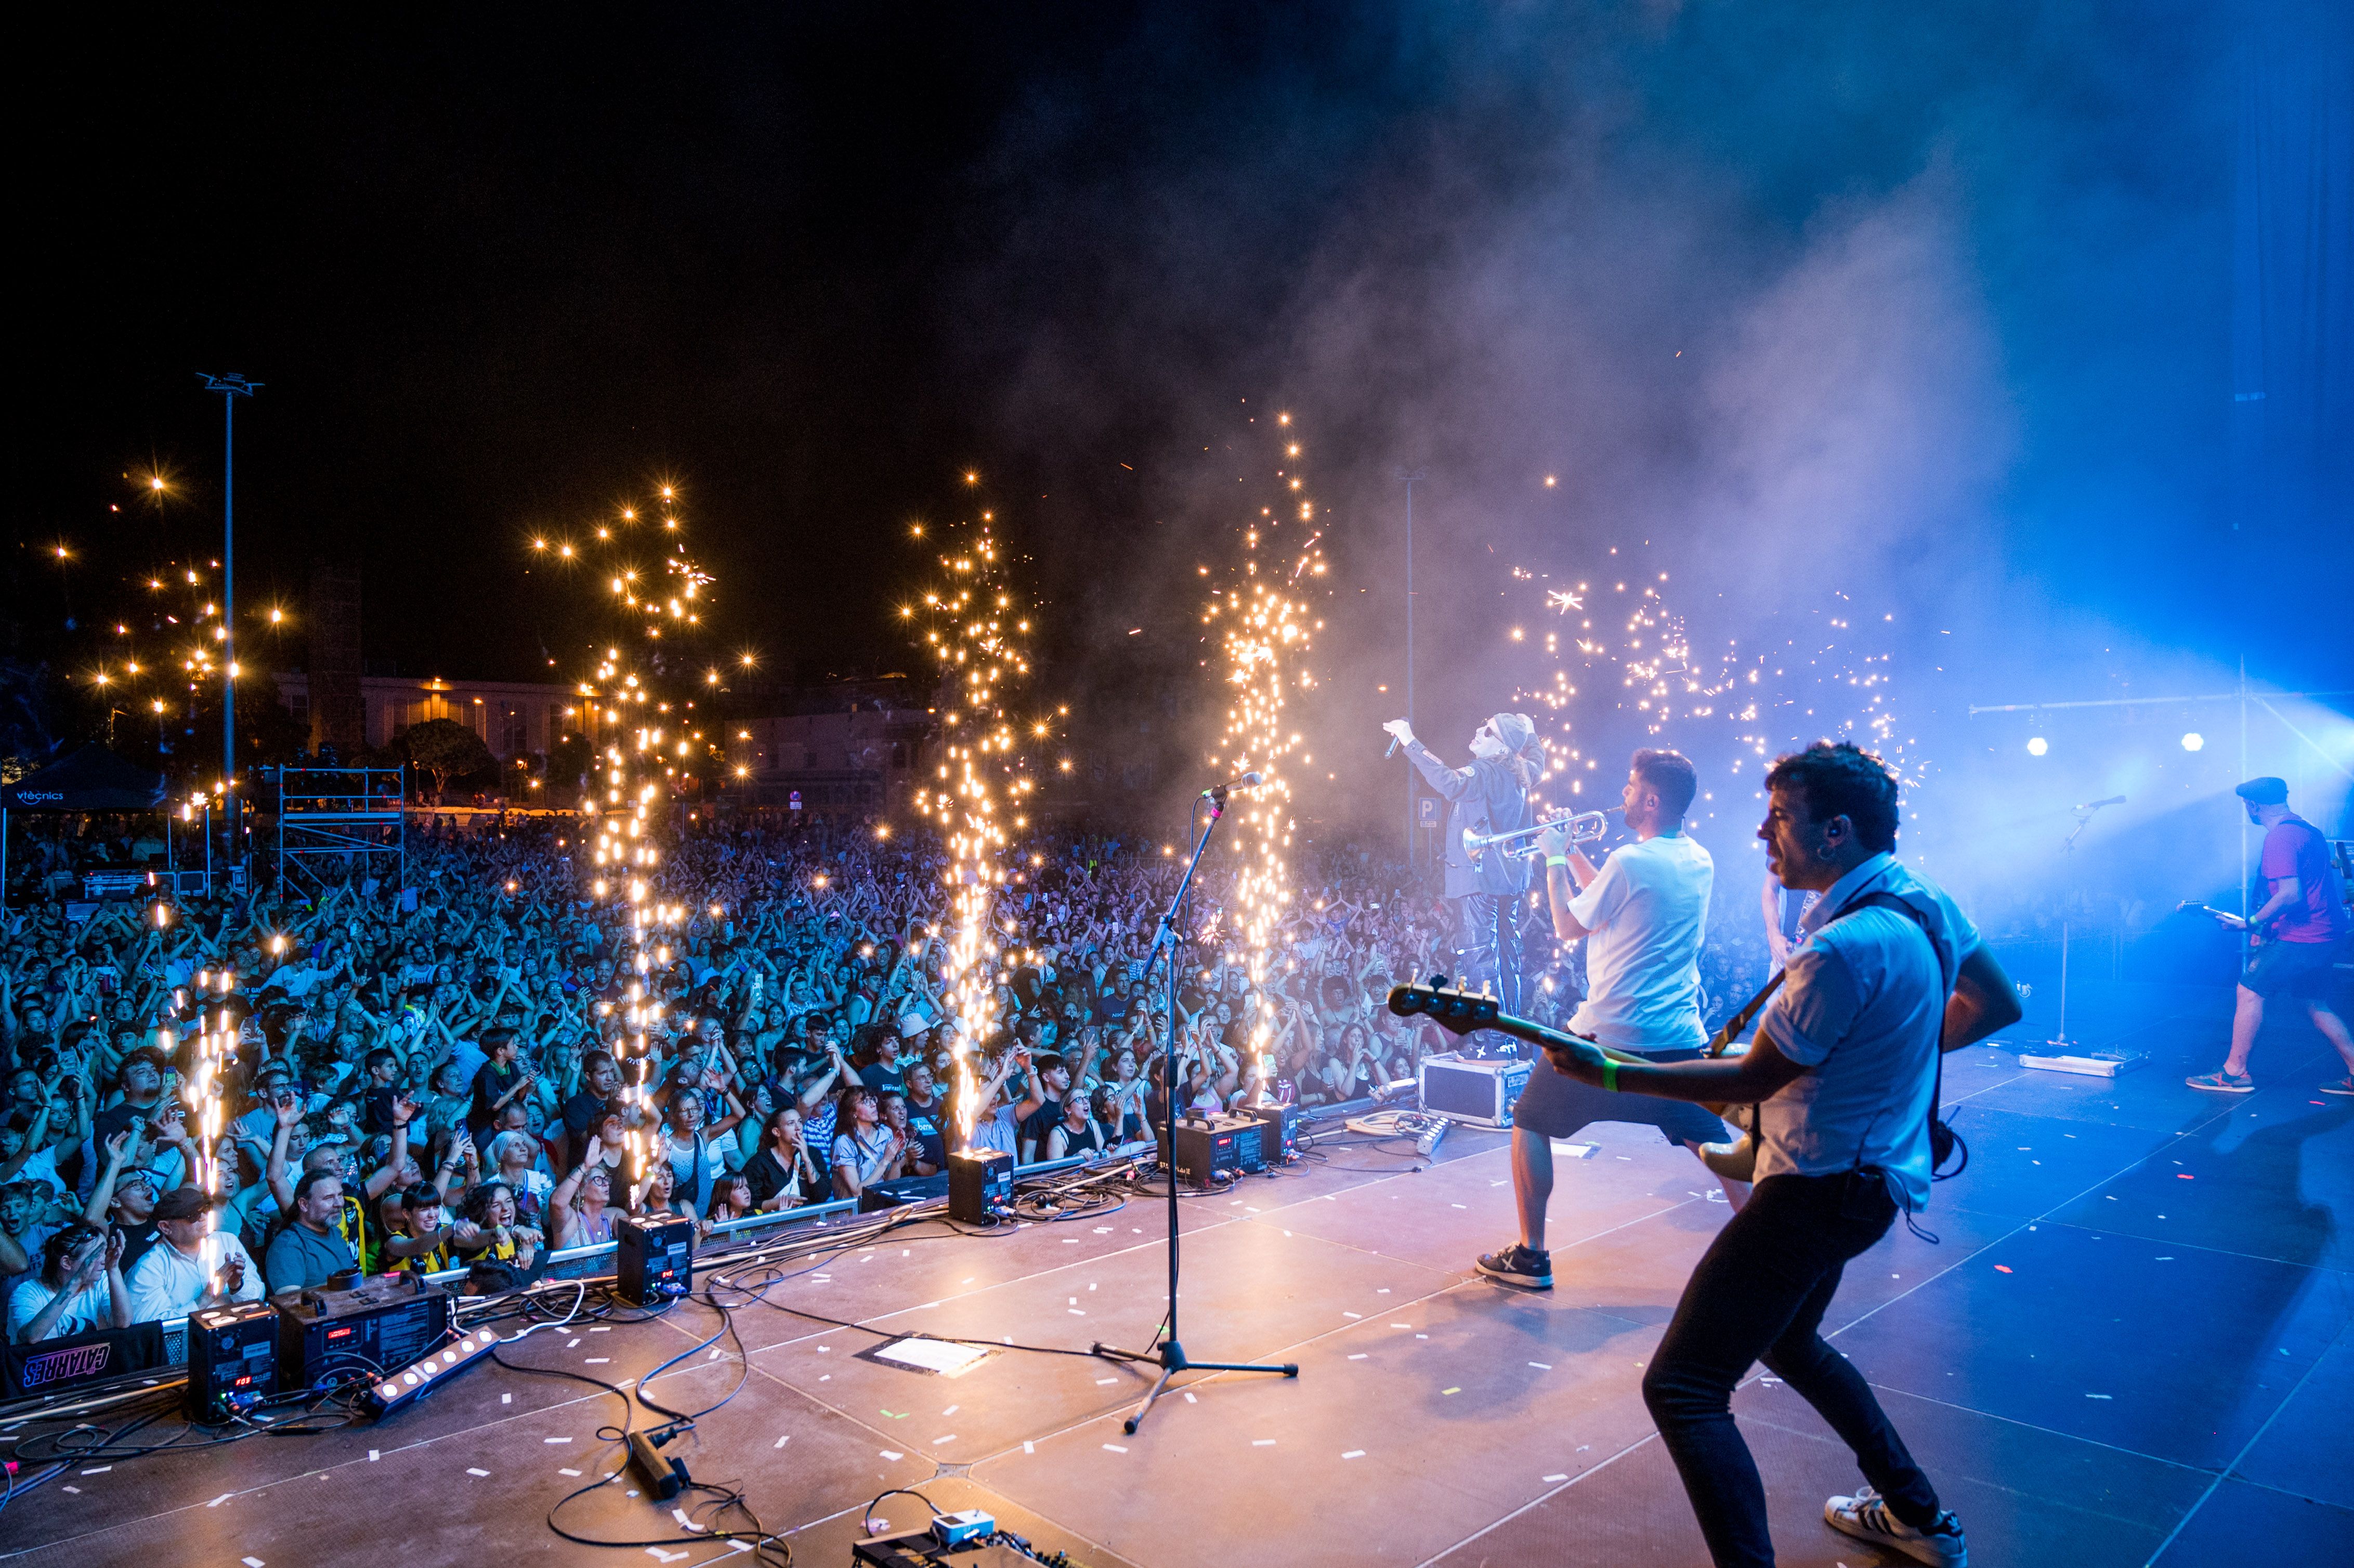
x,y
1407,476
230,387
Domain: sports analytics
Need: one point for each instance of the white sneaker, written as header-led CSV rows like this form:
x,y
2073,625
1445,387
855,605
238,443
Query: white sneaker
x,y
1866,1517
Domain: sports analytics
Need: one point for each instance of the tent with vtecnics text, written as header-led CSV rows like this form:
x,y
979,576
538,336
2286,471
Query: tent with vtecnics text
x,y
91,779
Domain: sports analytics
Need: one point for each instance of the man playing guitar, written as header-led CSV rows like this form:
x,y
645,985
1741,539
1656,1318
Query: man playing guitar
x,y
2294,936
1844,1073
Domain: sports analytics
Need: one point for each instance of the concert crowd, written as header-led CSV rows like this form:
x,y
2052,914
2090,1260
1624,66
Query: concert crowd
x,y
431,1069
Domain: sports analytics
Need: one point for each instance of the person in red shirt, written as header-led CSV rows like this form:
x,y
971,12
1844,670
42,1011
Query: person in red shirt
x,y
2294,938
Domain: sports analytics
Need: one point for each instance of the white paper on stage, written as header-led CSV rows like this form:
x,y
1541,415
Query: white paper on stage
x,y
933,1355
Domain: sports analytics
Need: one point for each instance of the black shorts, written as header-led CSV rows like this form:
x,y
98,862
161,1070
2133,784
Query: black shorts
x,y
2299,969
1555,1105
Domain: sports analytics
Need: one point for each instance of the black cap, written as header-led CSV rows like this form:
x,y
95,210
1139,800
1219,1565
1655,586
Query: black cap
x,y
181,1204
2265,791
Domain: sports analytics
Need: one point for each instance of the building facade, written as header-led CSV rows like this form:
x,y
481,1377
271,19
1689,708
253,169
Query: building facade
x,y
866,761
514,718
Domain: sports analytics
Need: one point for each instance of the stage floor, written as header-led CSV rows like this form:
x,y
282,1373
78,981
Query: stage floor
x,y
2135,1343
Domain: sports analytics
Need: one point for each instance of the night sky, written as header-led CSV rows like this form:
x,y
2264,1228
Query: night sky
x,y
499,276
1932,310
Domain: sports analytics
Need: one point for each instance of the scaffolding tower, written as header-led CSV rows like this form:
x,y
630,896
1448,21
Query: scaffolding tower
x,y
332,820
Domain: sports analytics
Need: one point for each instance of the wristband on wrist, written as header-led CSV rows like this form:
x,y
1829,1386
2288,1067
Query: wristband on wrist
x,y
1559,860
1609,1074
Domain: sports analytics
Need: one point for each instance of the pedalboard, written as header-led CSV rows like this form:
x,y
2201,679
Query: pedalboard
x,y
923,1549
653,1260
2084,1064
232,1359
1427,1128
1210,1148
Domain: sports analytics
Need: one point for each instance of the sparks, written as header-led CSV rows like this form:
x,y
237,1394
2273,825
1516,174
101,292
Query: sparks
x,y
975,631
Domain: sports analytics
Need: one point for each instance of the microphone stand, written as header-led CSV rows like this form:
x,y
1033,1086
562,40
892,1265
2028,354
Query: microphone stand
x,y
2084,815
1168,1355
2060,1040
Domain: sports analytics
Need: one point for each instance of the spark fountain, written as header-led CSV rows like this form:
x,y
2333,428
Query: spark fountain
x,y
976,630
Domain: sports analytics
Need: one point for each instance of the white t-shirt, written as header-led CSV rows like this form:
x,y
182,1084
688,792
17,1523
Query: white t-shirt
x,y
1647,911
297,979
92,1308
1864,1006
167,1283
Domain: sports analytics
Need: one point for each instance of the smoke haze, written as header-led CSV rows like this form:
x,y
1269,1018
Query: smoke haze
x,y
1911,320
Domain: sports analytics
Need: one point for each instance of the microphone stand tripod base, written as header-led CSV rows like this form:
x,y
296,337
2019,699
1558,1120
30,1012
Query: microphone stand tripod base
x,y
1171,1359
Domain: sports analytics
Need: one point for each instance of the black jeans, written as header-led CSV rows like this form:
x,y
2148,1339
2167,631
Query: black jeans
x,y
1487,944
1759,1294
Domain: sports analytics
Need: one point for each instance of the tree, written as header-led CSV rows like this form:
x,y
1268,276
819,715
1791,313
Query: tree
x,y
443,749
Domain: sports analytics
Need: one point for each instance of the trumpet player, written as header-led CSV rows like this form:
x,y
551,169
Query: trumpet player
x,y
1643,912
1490,797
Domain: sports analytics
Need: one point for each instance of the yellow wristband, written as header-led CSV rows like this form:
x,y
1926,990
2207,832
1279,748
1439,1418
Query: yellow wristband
x,y
1609,1074
1559,860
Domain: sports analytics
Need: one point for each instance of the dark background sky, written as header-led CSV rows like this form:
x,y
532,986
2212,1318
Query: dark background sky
x,y
1933,309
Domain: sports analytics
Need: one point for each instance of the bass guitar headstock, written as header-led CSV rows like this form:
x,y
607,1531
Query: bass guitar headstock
x,y
1455,1010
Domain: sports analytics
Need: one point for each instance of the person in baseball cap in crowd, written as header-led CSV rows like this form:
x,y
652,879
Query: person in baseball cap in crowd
x,y
2294,938
191,1266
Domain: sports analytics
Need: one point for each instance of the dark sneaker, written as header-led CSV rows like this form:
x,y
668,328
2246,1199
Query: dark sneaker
x,y
2222,1083
2342,1086
1516,1265
1866,1517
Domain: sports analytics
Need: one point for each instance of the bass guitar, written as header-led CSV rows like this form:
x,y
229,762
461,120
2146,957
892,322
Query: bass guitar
x,y
1462,1012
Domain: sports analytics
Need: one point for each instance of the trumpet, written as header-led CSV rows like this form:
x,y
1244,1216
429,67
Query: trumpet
x,y
1584,828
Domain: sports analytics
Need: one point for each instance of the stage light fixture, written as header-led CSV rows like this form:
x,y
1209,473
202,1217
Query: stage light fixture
x,y
2193,741
2037,746
415,1381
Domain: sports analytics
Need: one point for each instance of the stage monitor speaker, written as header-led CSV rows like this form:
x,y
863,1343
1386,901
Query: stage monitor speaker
x,y
653,1260
1475,1093
980,1184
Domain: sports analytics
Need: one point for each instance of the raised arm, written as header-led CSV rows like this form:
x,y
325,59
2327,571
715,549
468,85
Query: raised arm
x,y
288,1112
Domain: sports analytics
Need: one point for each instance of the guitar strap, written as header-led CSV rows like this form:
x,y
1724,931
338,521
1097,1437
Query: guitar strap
x,y
1943,1139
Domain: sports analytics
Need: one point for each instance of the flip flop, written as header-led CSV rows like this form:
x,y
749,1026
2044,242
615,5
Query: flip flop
x,y
2223,1083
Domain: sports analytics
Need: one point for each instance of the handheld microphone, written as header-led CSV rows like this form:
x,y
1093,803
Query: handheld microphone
x,y
1250,780
1391,751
